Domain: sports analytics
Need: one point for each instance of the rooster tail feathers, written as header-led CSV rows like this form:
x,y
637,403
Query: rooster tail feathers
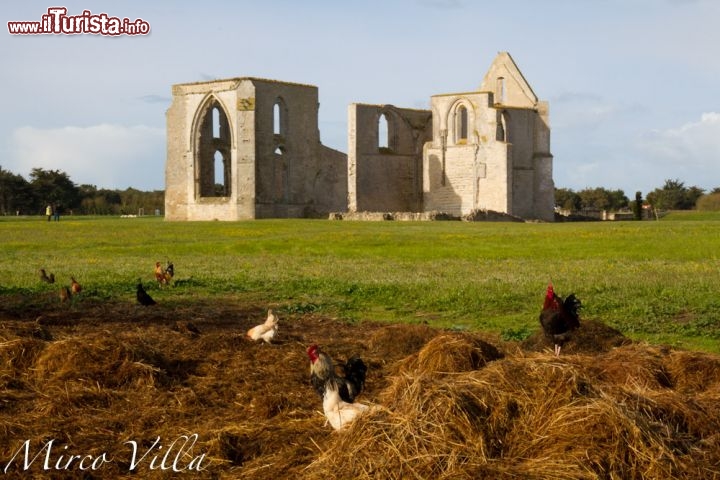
x,y
355,373
355,368
572,306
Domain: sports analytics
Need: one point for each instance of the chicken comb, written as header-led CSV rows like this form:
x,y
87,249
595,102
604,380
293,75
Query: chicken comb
x,y
312,351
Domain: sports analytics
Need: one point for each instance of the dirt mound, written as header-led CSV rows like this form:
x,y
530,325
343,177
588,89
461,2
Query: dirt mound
x,y
401,340
592,337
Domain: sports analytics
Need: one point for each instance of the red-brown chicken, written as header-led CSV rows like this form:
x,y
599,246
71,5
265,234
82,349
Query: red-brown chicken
x,y
162,276
559,317
75,287
322,372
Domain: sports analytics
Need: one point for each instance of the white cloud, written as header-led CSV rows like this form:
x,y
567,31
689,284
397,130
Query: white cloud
x,y
108,156
694,143
690,152
583,110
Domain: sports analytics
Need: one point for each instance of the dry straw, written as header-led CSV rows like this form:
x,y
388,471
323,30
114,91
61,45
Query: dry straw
x,y
614,415
451,405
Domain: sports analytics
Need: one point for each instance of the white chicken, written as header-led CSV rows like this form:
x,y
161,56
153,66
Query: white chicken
x,y
265,331
338,412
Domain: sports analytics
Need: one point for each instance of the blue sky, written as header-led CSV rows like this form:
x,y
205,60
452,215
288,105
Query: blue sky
x,y
633,85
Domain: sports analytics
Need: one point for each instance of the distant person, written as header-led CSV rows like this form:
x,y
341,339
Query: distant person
x,y
49,211
56,212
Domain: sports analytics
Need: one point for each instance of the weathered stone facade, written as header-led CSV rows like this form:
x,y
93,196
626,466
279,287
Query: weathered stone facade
x,y
385,174
249,148
490,149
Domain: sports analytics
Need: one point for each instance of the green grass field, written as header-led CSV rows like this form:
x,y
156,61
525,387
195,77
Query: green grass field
x,y
655,280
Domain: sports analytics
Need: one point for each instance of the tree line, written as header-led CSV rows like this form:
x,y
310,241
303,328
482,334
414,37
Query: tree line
x,y
19,196
54,187
673,195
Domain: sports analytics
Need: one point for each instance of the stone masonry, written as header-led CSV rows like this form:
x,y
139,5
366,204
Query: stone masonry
x,y
247,148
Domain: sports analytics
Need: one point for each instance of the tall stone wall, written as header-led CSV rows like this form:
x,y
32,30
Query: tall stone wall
x,y
188,179
385,174
249,148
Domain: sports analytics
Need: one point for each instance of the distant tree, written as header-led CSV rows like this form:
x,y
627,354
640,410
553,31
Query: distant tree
x,y
637,205
99,202
692,195
15,194
54,186
132,200
567,199
603,199
674,195
709,202
618,200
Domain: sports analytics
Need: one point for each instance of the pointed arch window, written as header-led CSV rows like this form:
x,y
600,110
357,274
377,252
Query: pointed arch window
x,y
212,152
501,134
461,124
280,126
276,118
219,174
216,122
383,134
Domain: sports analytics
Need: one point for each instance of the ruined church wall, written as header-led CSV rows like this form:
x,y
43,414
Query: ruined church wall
x,y
287,160
286,173
182,199
544,184
460,176
475,178
331,185
532,194
388,179
176,171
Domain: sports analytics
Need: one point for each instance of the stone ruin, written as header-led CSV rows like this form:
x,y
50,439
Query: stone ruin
x,y
247,148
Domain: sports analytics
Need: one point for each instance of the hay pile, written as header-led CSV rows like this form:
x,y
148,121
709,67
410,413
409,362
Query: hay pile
x,y
636,412
450,405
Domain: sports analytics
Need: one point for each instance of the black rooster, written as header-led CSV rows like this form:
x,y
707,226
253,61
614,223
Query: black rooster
x,y
559,317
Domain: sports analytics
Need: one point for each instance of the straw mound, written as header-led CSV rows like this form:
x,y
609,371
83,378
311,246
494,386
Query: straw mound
x,y
536,417
454,352
18,354
105,359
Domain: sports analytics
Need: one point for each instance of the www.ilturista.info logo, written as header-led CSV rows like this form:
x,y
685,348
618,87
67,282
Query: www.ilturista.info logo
x,y
58,22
